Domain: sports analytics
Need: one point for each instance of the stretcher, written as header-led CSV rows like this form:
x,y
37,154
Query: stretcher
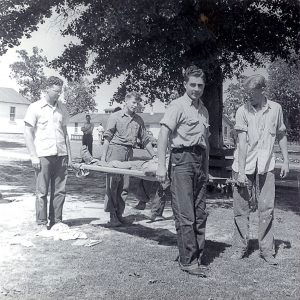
x,y
83,169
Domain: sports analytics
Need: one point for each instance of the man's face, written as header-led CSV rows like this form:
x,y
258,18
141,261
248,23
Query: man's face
x,y
194,87
88,119
132,104
254,96
54,92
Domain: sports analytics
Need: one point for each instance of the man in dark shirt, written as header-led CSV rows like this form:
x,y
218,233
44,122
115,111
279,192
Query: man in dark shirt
x,y
124,127
87,129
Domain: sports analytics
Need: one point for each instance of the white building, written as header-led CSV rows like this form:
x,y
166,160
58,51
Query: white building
x,y
13,107
76,122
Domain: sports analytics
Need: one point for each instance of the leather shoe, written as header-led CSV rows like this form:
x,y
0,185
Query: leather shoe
x,y
270,260
140,206
200,271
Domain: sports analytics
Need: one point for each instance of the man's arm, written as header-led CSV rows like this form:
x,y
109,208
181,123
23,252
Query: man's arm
x,y
283,147
150,149
104,149
242,150
67,141
162,144
206,166
29,139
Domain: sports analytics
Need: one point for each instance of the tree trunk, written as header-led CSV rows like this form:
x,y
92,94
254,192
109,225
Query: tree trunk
x,y
213,101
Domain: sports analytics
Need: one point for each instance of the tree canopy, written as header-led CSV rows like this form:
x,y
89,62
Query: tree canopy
x,y
284,88
29,73
79,97
149,41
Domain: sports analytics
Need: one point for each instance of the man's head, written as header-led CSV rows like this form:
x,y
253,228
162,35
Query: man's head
x,y
254,86
53,87
132,101
88,118
194,82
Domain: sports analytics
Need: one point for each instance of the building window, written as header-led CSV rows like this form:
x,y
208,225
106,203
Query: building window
x,y
12,114
76,127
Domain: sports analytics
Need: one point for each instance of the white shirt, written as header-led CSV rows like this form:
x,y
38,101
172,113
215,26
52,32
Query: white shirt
x,y
48,122
261,128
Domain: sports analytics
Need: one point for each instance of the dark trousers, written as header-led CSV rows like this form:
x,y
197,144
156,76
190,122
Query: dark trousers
x,y
114,197
162,195
188,188
53,175
261,187
87,139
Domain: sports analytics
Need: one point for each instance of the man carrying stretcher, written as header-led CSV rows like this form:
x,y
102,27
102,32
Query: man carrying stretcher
x,y
124,127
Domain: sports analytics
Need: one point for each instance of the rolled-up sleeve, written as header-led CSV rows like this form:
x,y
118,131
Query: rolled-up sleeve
x,y
30,116
281,128
66,116
171,117
111,127
241,123
143,135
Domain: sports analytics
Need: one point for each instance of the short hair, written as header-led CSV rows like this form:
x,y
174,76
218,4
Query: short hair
x,y
193,71
88,115
53,80
134,95
256,81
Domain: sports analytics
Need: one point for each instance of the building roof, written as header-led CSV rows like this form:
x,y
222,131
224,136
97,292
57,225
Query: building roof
x,y
9,95
97,118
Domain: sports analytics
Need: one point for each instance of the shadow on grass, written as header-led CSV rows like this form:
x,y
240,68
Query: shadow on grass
x,y
11,145
79,221
253,245
165,237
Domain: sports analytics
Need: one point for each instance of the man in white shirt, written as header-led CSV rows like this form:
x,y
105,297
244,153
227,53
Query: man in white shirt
x,y
48,144
100,130
258,122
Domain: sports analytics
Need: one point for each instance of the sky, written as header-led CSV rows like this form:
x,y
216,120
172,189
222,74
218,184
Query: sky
x,y
49,39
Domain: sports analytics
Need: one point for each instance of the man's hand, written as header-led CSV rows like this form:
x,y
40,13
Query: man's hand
x,y
284,170
161,173
242,180
36,163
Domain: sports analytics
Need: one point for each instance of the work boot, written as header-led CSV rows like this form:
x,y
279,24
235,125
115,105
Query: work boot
x,y
140,206
154,217
200,272
114,221
270,260
122,219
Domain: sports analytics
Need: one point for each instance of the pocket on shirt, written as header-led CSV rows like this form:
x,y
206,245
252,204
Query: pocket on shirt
x,y
192,122
272,130
43,124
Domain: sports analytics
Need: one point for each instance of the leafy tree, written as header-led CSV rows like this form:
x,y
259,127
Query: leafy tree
x,y
149,41
235,97
284,88
29,73
79,97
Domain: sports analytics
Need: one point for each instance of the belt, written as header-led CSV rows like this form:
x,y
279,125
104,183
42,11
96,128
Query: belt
x,y
194,149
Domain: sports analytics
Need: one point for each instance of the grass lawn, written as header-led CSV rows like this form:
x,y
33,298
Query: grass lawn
x,y
135,261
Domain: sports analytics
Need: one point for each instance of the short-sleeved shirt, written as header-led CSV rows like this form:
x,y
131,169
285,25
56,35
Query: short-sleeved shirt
x,y
261,128
88,127
188,124
123,129
48,122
